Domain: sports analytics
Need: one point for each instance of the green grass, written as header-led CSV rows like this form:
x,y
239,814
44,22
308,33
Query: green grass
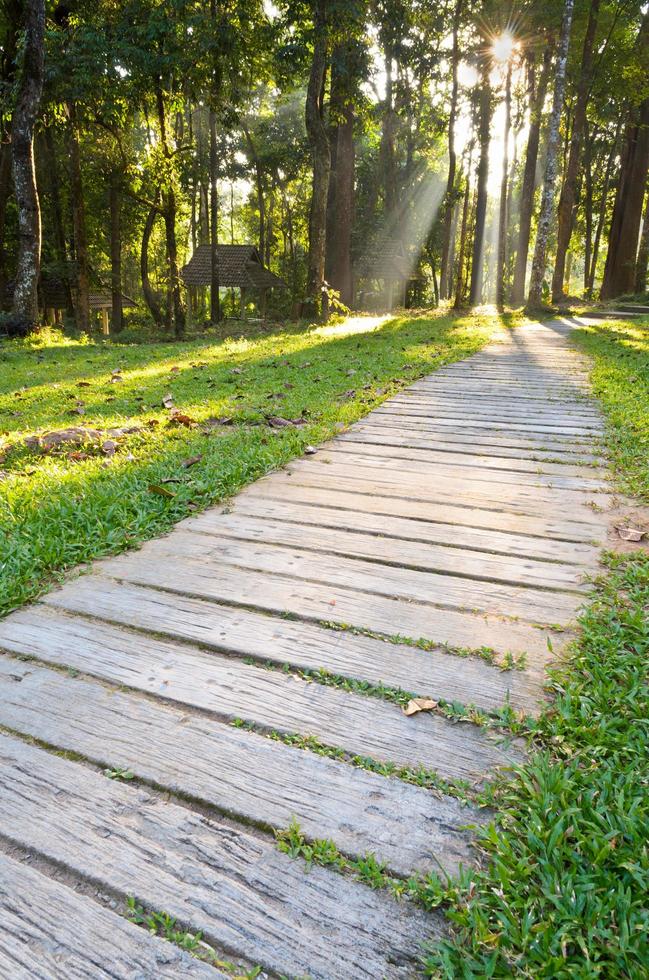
x,y
564,892
77,503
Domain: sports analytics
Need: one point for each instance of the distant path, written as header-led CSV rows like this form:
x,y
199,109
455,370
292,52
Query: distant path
x,y
465,511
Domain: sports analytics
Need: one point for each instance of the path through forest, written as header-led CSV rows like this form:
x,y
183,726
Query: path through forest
x,y
467,511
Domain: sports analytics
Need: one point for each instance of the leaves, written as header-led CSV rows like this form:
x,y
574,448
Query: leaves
x,y
161,491
415,705
629,533
168,400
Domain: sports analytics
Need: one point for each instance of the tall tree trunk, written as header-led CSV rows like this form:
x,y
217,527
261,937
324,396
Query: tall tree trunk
x,y
484,133
321,157
150,296
549,181
445,275
619,272
459,284
340,206
588,206
259,186
529,179
30,88
569,189
5,190
215,271
603,207
643,253
117,313
176,305
502,217
60,241
77,200
387,148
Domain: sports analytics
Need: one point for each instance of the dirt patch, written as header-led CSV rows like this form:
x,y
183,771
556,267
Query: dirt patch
x,y
628,528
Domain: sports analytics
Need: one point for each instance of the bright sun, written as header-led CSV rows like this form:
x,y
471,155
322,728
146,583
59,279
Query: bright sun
x,y
502,47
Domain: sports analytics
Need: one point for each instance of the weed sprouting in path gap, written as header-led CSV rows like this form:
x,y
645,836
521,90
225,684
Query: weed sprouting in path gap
x,y
187,425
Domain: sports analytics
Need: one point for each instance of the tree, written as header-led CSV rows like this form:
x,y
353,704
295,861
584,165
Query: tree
x,y
321,158
484,135
450,197
567,199
30,89
551,163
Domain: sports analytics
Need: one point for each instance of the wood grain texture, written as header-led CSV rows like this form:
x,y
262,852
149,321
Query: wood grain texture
x,y
245,896
86,644
310,600
243,774
420,555
348,511
446,591
49,932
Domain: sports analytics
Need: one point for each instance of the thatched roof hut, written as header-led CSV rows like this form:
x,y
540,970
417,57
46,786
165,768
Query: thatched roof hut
x,y
239,266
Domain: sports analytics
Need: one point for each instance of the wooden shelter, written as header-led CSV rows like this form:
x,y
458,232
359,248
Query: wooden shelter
x,y
385,262
53,298
240,267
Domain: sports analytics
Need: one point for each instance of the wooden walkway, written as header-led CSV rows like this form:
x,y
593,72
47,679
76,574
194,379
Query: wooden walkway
x,y
467,511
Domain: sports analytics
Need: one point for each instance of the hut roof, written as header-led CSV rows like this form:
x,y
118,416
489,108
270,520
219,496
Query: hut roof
x,y
385,259
239,265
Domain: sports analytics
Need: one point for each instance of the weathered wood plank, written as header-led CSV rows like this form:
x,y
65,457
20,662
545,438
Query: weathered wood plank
x,y
412,554
499,408
287,703
348,511
245,896
50,932
243,774
87,644
555,448
374,481
445,469
490,422
333,603
452,592
401,448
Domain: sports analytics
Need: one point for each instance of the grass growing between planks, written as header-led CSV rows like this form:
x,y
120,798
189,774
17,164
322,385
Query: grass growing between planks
x,y
222,426
565,890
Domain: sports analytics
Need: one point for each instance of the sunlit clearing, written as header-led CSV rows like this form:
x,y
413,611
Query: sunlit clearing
x,y
353,324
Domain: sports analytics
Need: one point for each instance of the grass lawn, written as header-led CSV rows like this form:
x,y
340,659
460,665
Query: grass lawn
x,y
565,890
77,502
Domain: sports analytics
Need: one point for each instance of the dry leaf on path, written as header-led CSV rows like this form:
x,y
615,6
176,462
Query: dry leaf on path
x,y
630,533
415,705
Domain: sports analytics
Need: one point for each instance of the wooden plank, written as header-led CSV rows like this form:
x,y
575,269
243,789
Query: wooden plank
x,y
497,425
426,429
239,891
327,603
450,592
287,703
505,406
244,775
411,554
449,469
482,494
345,511
460,510
86,644
50,932
381,446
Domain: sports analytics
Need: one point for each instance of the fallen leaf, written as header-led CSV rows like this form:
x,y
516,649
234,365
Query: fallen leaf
x,y
310,450
236,370
83,384
161,491
179,418
116,371
415,705
78,410
630,533
277,422
168,400
212,423
108,447
192,460
175,369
